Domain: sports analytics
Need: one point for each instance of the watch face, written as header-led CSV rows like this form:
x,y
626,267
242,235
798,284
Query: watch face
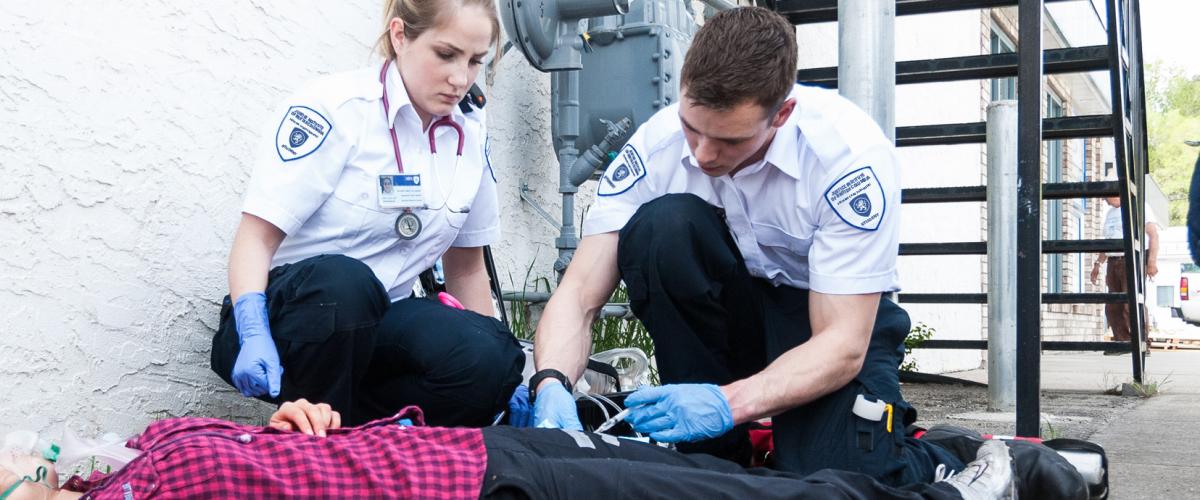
x,y
408,226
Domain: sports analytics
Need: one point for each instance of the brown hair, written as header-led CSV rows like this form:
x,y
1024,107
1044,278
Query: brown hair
x,y
421,15
742,54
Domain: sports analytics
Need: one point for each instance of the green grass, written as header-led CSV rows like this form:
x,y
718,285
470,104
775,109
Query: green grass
x,y
918,335
85,468
1149,388
1146,389
607,333
613,333
1050,432
520,317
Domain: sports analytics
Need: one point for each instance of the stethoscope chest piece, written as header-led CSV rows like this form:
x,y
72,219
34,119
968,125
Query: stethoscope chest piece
x,y
408,225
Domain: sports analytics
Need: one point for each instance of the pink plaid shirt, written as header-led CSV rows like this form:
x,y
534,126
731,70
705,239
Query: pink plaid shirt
x,y
209,458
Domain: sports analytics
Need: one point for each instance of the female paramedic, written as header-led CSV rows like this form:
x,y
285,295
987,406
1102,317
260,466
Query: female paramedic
x,y
369,177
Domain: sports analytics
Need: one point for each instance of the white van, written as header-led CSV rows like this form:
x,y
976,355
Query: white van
x,y
1189,292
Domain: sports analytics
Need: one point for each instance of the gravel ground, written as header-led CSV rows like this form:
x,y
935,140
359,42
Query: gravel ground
x,y
1076,414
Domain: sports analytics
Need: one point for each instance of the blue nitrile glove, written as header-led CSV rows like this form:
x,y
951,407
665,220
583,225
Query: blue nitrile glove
x,y
554,407
257,370
680,412
519,410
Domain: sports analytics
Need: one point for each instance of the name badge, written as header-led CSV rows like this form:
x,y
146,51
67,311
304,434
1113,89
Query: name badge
x,y
400,191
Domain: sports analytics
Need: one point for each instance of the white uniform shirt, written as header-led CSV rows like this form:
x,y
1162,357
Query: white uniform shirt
x,y
820,212
317,175
1113,229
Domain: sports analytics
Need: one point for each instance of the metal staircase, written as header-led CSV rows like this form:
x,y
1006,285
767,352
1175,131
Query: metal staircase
x,y
1122,58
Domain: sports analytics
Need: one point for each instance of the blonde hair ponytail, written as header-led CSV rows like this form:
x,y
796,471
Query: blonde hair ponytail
x,y
421,15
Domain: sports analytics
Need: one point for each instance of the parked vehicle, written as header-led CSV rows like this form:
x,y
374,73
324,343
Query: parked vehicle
x,y
1189,293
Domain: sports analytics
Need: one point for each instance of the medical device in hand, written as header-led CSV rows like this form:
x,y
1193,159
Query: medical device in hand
x,y
612,422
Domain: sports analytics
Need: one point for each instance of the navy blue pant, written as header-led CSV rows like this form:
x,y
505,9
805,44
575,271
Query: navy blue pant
x,y
546,463
713,322
341,342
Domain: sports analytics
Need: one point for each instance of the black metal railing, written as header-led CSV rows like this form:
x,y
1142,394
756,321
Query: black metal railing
x,y
1122,58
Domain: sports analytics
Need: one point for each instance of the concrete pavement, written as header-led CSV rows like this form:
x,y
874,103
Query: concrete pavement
x,y
1176,372
1153,448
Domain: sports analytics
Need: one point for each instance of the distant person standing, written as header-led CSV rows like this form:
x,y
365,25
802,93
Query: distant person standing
x,y
1117,313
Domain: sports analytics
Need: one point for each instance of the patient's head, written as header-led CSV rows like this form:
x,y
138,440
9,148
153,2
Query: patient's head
x,y
15,465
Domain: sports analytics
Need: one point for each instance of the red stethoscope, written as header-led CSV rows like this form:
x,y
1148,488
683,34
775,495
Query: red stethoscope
x,y
408,225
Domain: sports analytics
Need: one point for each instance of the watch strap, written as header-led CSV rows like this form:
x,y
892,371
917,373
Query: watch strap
x,y
537,379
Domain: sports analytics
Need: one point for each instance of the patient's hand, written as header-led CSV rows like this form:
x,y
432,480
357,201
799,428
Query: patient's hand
x,y
311,419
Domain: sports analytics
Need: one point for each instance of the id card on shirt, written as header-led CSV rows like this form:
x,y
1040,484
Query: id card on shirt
x,y
400,191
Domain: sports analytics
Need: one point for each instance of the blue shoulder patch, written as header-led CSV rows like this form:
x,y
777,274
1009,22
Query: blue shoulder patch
x,y
625,171
301,132
858,199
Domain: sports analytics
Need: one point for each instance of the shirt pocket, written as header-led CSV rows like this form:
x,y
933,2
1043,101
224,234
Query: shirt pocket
x,y
354,208
784,251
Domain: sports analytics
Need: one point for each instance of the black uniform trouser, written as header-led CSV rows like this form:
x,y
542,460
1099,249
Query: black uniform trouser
x,y
341,342
546,464
712,322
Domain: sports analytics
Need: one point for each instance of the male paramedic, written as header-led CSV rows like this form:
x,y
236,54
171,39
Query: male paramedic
x,y
755,225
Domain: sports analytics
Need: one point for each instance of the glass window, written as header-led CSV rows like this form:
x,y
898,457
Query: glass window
x,y
1166,296
1054,212
1003,88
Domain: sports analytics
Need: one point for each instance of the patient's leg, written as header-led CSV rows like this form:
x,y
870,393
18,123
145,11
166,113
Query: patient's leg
x,y
543,463
558,443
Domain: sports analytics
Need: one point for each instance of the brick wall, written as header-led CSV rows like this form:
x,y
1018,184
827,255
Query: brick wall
x,y
1059,321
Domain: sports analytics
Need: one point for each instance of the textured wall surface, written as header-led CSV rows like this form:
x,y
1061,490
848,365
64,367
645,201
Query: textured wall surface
x,y
124,152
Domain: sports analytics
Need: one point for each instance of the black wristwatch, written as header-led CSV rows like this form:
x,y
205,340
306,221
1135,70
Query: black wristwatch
x,y
541,375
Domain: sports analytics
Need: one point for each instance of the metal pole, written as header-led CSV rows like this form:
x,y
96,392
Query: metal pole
x,y
867,58
1002,261
1125,147
1140,159
1029,217
565,88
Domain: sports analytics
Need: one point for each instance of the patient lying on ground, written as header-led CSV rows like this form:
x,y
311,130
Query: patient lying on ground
x,y
304,452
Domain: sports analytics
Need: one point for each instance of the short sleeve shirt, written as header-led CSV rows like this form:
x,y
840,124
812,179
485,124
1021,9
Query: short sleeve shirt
x,y
317,178
1113,229
819,212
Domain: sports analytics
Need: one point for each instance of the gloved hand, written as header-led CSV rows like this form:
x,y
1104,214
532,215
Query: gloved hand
x,y
257,370
519,410
679,412
554,407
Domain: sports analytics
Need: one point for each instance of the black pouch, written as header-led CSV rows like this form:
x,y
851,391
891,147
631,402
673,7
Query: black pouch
x,y
1089,459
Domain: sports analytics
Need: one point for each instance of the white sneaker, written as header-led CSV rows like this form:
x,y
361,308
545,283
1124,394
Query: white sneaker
x,y
989,477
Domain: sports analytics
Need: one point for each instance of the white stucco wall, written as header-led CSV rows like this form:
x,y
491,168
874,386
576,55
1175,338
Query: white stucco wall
x,y
128,127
